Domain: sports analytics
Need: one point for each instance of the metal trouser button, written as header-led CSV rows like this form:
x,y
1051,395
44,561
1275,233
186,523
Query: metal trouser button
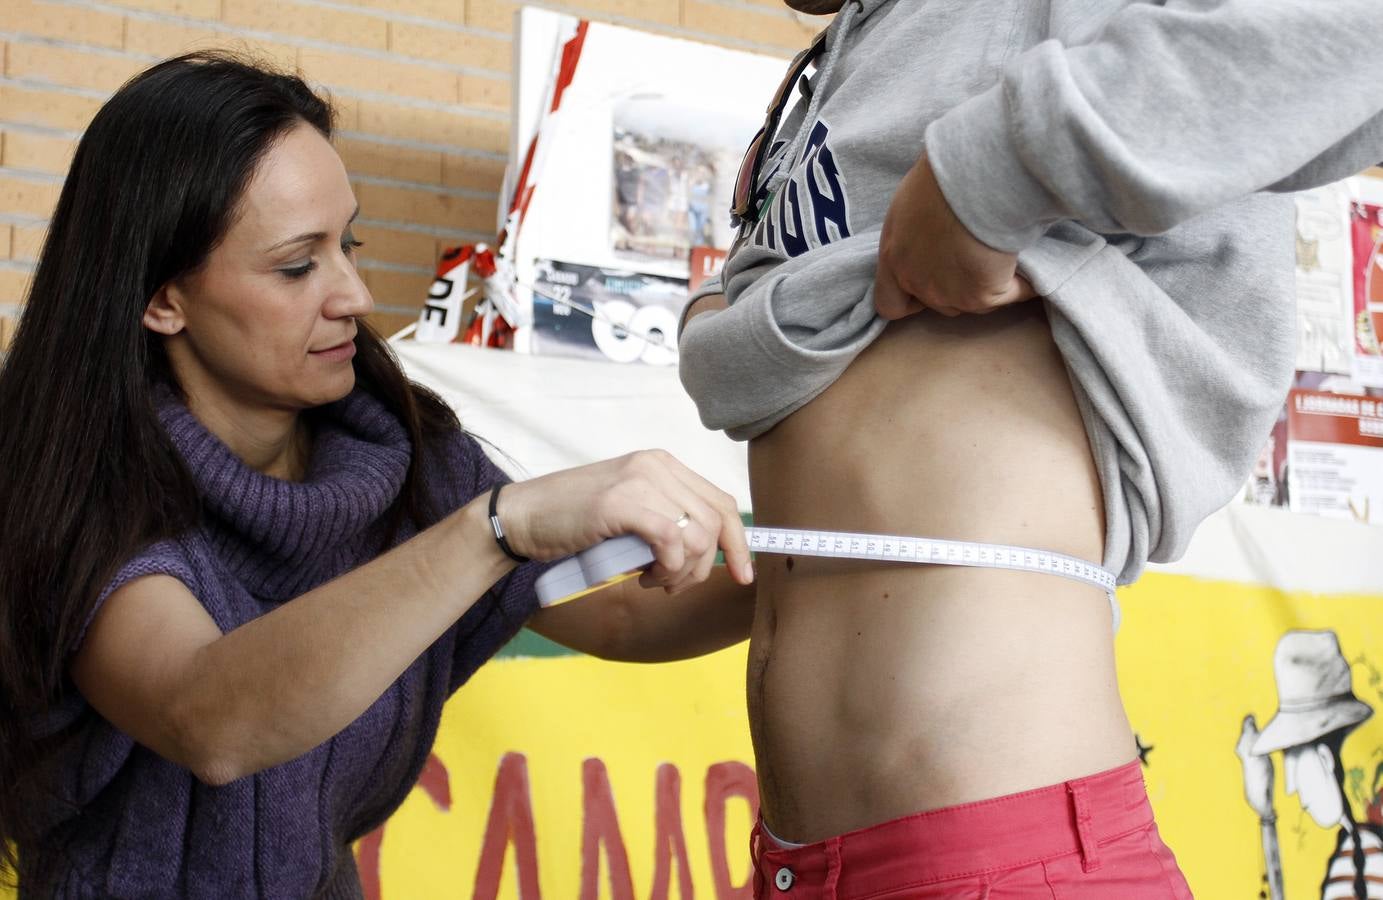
x,y
784,879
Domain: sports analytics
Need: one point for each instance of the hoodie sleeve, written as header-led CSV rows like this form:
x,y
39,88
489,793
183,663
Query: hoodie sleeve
x,y
1172,109
787,335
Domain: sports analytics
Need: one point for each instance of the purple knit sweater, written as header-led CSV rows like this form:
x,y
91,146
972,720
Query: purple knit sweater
x,y
128,823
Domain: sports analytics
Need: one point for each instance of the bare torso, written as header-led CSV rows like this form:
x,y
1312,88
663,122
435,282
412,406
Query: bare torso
x,y
880,690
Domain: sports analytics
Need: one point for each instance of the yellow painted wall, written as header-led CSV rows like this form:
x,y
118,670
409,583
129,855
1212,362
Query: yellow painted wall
x,y
1194,658
560,712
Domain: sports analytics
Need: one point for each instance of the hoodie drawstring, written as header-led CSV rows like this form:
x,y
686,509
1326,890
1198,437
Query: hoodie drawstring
x,y
841,26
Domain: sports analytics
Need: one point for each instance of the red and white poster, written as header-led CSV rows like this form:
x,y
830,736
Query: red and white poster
x,y
1335,455
1366,233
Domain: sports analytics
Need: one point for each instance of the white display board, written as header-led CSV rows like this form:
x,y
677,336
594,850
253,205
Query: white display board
x,y
539,414
676,96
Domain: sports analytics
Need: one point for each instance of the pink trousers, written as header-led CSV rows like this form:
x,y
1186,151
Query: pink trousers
x,y
1089,839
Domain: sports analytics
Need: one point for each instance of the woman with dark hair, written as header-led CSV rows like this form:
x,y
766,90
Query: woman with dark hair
x,y
245,559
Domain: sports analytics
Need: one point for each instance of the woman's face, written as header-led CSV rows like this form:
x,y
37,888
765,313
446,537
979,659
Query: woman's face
x,y
269,319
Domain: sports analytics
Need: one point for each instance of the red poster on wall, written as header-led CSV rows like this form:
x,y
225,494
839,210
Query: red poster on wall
x,y
706,262
1335,455
1366,232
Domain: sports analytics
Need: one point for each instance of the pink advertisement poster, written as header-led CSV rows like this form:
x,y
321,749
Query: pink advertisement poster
x,y
1366,232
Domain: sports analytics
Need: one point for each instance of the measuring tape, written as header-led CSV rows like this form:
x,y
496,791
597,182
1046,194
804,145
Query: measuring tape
x,y
623,557
896,548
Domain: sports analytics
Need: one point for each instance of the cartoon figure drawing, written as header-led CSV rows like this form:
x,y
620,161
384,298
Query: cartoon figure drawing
x,y
1317,710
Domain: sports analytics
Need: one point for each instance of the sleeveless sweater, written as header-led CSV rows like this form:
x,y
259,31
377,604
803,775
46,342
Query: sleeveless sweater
x,y
127,823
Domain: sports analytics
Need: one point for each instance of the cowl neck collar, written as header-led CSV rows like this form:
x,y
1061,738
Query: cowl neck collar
x,y
281,538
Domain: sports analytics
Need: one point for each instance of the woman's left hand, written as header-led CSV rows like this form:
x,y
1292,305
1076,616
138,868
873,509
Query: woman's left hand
x,y
929,260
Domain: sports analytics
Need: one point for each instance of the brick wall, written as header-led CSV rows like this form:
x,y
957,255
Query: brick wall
x,y
422,88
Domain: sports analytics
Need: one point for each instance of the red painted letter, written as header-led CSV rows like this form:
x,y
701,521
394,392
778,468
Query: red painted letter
x,y
601,826
511,819
723,781
669,840
435,783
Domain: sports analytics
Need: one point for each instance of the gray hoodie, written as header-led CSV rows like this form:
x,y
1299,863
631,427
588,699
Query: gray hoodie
x,y
1137,157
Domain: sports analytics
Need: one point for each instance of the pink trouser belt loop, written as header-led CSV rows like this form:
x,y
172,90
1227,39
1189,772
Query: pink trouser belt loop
x,y
1085,828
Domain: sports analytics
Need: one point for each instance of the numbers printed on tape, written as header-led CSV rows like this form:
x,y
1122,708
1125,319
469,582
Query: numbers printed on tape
x,y
927,550
623,557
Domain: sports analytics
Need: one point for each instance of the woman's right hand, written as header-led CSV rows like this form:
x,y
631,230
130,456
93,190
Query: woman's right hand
x,y
645,494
